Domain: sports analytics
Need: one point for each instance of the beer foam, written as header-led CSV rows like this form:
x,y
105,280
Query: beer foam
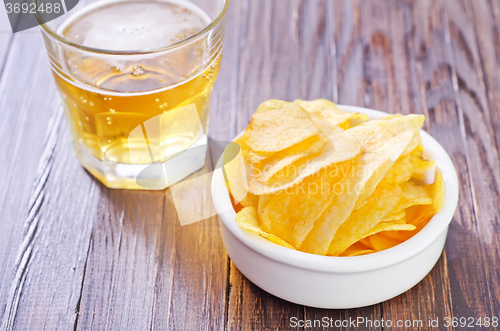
x,y
133,25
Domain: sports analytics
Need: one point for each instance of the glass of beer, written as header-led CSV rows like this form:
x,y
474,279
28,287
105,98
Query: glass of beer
x,y
135,79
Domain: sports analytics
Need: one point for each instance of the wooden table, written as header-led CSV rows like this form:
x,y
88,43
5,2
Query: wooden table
x,y
77,255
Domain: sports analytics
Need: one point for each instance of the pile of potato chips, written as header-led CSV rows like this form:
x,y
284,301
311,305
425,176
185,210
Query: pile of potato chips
x,y
314,178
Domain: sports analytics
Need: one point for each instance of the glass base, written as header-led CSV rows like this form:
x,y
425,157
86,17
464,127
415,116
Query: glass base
x,y
155,176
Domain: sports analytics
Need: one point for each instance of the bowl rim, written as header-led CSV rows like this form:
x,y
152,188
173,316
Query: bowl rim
x,y
424,238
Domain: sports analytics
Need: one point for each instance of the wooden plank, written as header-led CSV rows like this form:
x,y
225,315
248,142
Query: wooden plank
x,y
443,293
55,246
480,122
312,35
28,131
267,70
484,17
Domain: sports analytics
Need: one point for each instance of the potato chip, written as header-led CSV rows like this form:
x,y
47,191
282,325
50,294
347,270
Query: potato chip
x,y
389,227
235,173
390,116
420,167
340,146
263,201
379,242
398,124
270,166
405,235
401,171
400,235
357,185
251,155
438,193
329,112
291,213
424,213
318,105
248,219
412,195
391,149
397,217
370,137
379,204
250,201
420,214
357,249
277,125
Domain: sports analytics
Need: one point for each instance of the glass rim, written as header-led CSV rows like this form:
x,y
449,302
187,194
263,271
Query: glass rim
x,y
177,44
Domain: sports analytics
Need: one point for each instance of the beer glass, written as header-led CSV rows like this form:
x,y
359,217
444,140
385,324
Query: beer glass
x,y
135,79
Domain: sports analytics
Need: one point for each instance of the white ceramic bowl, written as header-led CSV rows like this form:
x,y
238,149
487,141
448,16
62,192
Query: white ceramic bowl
x,y
340,282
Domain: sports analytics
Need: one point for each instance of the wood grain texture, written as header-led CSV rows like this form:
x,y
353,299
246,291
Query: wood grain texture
x,y
75,255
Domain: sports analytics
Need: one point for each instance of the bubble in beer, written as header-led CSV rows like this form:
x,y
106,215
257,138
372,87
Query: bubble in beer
x,y
137,71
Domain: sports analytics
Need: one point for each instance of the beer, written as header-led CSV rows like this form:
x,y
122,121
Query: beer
x,y
106,96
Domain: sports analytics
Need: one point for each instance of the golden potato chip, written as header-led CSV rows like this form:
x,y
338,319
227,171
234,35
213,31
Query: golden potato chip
x,y
405,235
380,242
418,151
395,234
270,166
397,217
391,149
318,105
340,146
248,219
437,188
235,173
390,116
424,213
277,125
291,213
370,137
358,185
420,164
357,249
249,154
250,200
421,167
402,235
420,214
379,204
412,195
389,227
329,112
263,201
401,171
398,124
